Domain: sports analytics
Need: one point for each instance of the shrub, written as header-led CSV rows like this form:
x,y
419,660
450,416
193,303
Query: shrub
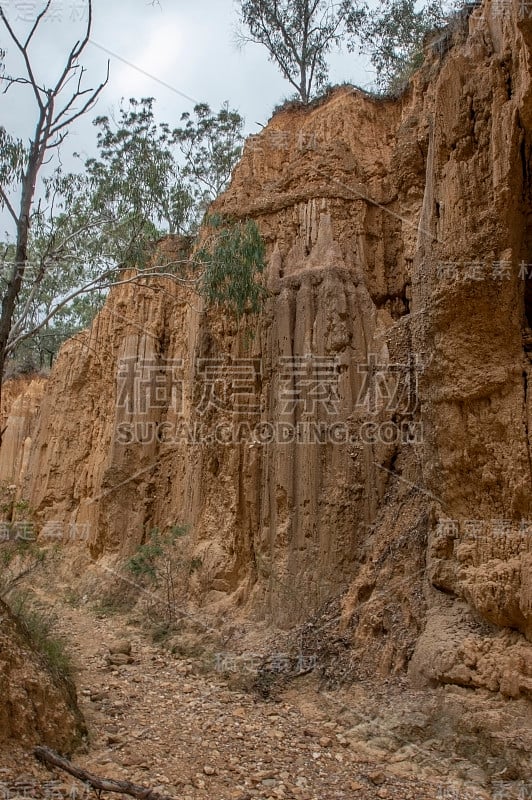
x,y
39,625
167,568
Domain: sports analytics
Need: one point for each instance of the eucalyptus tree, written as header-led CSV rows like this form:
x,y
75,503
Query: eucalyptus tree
x,y
86,228
57,104
299,35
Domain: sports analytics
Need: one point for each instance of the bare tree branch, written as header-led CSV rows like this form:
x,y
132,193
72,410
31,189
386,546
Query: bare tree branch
x,y
12,81
52,759
56,127
51,128
37,23
8,205
23,49
101,283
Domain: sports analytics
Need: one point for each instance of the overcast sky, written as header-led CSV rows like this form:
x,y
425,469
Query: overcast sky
x,y
165,50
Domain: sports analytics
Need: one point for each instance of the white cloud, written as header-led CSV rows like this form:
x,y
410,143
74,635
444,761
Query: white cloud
x,y
158,57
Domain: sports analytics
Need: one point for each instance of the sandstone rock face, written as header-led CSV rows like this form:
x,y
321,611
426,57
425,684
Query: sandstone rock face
x,y
21,400
36,708
400,305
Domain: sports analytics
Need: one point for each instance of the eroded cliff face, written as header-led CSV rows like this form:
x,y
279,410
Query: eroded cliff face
x,y
21,402
399,241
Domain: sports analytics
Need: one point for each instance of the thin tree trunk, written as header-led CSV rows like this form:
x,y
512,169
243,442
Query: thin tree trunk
x,y
9,299
303,84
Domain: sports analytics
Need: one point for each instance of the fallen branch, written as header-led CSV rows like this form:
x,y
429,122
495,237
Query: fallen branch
x,y
50,758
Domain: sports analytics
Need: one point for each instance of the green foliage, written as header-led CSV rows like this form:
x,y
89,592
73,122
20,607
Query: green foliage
x,y
13,160
233,257
10,505
56,103
64,255
19,558
164,562
147,181
39,625
38,352
392,34
22,506
211,145
20,554
299,34
7,500
145,561
20,547
137,174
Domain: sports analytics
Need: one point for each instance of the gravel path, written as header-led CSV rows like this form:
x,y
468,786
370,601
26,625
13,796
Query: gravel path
x,y
160,722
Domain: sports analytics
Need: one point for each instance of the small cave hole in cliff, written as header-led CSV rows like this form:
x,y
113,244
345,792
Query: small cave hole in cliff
x,y
528,306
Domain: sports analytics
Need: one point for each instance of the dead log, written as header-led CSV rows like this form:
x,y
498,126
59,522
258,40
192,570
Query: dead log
x,y
50,758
